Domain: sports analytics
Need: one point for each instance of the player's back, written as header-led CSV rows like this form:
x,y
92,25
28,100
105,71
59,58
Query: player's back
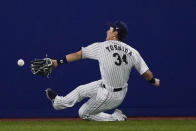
x,y
115,60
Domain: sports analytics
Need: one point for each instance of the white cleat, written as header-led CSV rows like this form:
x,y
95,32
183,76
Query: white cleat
x,y
119,116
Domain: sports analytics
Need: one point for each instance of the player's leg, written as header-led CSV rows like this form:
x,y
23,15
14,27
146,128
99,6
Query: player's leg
x,y
117,115
87,109
94,108
78,94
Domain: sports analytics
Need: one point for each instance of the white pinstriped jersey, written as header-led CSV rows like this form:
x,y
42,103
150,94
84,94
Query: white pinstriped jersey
x,y
116,60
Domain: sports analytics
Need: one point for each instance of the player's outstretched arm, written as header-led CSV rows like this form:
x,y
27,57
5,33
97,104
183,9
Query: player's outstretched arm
x,y
149,77
68,58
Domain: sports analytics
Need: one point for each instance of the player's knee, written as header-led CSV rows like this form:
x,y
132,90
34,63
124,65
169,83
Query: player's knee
x,y
80,89
58,107
82,113
55,106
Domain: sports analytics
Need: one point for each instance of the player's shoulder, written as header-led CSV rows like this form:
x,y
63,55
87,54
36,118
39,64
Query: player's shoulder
x,y
97,43
94,45
121,44
133,50
109,42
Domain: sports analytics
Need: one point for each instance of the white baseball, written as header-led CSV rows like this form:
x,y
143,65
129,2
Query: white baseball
x,y
20,62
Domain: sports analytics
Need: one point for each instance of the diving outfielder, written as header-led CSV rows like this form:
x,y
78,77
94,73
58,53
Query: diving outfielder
x,y
116,60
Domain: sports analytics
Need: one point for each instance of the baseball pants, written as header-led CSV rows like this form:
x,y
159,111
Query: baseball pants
x,y
101,99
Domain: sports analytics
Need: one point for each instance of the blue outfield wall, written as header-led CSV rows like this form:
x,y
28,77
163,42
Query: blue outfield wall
x,y
163,31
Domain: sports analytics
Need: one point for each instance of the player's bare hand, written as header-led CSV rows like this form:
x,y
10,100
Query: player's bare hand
x,y
157,83
55,63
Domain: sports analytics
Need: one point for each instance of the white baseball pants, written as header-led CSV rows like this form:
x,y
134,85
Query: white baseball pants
x,y
101,99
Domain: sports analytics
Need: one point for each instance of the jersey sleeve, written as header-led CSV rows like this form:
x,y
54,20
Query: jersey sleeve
x,y
139,63
91,51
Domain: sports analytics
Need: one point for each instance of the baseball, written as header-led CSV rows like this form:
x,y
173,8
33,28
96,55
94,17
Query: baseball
x,y
20,62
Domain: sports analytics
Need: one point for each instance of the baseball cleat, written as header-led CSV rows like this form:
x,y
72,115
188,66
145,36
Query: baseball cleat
x,y
50,94
119,115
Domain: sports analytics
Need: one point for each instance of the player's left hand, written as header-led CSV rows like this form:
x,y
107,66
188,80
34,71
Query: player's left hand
x,y
42,67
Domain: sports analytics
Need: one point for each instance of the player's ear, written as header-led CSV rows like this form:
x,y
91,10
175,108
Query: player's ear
x,y
115,33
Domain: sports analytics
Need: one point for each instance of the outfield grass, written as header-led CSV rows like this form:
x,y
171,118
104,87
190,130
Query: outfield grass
x,y
71,125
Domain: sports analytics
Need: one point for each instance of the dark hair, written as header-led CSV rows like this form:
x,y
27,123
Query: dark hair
x,y
120,36
121,28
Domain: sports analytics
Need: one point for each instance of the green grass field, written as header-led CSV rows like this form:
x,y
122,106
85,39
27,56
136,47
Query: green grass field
x,y
71,125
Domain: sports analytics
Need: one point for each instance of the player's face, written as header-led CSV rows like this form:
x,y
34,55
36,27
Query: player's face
x,y
111,34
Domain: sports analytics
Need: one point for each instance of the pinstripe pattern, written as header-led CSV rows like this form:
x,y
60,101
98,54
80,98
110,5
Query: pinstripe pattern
x,y
117,76
116,60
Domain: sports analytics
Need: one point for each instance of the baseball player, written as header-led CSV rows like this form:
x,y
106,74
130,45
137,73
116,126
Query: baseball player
x,y
116,60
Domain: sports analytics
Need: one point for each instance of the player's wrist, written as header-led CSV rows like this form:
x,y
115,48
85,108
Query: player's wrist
x,y
152,81
62,61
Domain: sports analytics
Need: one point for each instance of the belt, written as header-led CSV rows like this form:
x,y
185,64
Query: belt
x,y
114,90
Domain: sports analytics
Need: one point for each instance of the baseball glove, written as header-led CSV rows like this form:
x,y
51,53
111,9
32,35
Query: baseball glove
x,y
42,67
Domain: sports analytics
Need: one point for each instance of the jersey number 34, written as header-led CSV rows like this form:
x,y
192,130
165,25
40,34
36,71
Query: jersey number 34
x,y
119,59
